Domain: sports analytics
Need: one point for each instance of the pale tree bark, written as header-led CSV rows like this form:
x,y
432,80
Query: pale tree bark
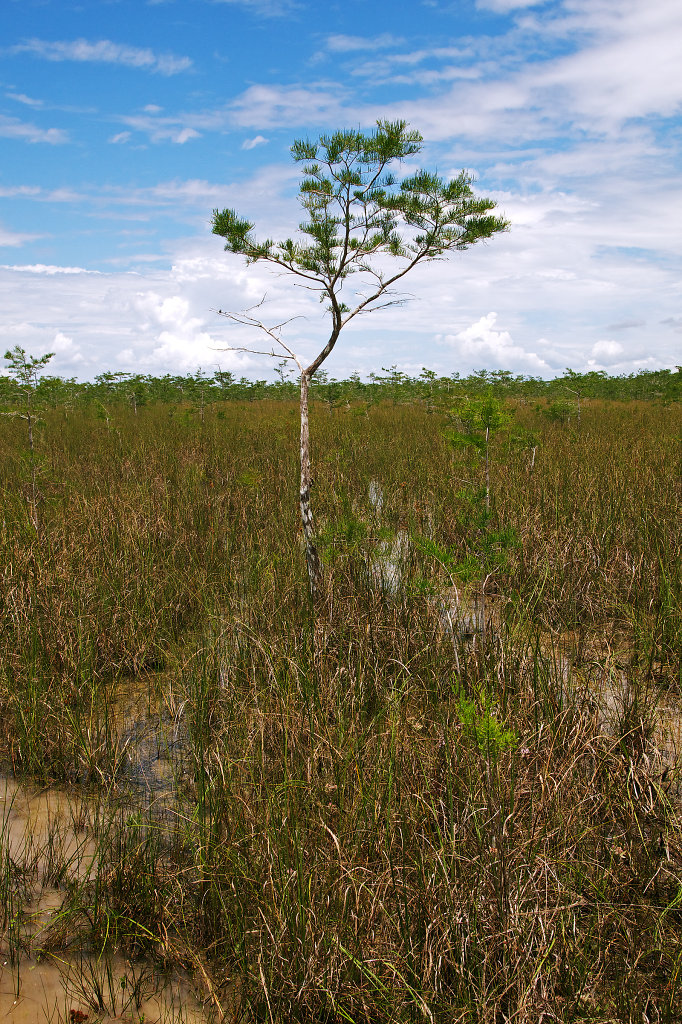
x,y
315,574
313,561
311,554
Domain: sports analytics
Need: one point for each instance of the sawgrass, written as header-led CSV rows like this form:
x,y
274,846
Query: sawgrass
x,y
375,816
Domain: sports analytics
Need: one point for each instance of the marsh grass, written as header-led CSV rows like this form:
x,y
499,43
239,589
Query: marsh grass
x,y
372,818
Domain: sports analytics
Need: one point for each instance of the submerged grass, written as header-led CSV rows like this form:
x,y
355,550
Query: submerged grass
x,y
373,817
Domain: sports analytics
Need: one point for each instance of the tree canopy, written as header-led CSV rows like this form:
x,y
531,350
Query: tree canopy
x,y
359,213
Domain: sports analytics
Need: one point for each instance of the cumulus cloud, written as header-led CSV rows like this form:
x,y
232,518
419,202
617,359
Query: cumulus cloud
x,y
66,350
607,351
159,321
485,345
104,51
174,334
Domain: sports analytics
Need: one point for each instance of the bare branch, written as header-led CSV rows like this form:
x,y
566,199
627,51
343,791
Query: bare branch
x,y
245,320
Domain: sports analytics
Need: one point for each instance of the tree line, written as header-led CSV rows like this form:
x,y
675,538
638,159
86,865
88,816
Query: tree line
x,y
426,388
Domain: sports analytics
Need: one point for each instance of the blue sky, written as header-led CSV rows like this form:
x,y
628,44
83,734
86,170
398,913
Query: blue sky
x,y
123,124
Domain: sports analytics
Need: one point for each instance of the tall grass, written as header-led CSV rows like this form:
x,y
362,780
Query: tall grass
x,y
374,818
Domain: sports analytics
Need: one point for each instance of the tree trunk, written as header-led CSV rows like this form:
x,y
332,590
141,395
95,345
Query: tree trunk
x,y
311,555
34,490
487,469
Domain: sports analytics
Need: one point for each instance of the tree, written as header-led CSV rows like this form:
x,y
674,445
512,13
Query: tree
x,y
364,231
474,423
26,371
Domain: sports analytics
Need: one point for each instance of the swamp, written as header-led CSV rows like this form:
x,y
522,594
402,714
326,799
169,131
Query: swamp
x,y
449,791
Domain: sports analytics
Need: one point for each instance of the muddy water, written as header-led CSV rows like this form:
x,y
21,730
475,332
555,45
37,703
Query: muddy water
x,y
152,741
29,817
620,705
46,845
59,993
45,839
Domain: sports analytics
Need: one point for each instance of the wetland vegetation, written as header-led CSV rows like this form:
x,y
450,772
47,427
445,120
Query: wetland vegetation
x,y
447,792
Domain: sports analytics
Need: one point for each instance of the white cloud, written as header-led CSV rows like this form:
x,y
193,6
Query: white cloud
x,y
104,51
258,140
66,349
42,268
159,321
20,191
265,192
15,237
171,334
384,72
607,351
184,135
11,128
266,106
506,6
463,61
266,8
162,320
193,191
259,106
21,97
624,65
483,344
630,69
161,129
349,44
573,146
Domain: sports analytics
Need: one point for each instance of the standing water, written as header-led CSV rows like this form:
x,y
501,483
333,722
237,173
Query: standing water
x,y
52,843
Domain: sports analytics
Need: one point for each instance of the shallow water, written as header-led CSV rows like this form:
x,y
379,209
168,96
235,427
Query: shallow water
x,y
52,991
45,840
47,844
152,739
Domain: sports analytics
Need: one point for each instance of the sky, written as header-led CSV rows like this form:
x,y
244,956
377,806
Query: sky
x,y
125,123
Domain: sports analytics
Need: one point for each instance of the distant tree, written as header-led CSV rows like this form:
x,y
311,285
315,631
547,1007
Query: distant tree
x,y
365,231
223,379
26,371
56,391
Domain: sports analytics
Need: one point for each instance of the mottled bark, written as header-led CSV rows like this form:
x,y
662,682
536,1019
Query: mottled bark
x,y
312,557
311,554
